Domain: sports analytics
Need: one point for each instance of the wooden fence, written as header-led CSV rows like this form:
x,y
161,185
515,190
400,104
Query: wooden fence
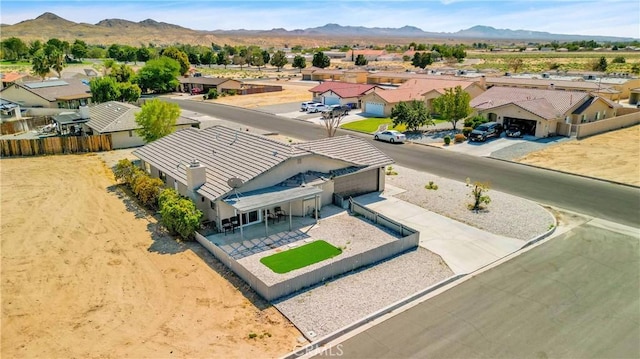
x,y
55,145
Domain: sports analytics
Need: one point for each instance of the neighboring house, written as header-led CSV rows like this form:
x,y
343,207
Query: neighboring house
x,y
381,101
63,94
634,96
540,112
229,172
555,84
369,55
204,84
8,79
342,93
118,120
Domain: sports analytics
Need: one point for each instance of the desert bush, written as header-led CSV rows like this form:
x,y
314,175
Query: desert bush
x,y
124,171
459,138
475,121
147,189
447,140
431,185
390,171
466,131
231,92
179,215
478,193
212,94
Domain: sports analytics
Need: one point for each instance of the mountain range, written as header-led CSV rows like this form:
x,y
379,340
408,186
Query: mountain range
x,y
150,31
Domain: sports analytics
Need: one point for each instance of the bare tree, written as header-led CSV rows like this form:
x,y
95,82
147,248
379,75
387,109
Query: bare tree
x,y
332,122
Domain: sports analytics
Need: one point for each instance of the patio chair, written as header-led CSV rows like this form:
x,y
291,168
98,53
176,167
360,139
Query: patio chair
x,y
279,212
227,226
235,221
272,216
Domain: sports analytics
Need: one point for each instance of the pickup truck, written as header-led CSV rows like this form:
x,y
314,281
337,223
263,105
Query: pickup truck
x,y
335,111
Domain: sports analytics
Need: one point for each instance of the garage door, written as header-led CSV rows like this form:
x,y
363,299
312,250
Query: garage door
x,y
374,108
357,183
331,100
528,126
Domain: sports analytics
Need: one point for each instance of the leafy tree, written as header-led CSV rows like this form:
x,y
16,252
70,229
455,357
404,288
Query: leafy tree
x,y
299,62
129,92
159,75
55,59
453,105
515,63
114,51
104,89
223,59
361,60
179,214
122,73
127,54
413,115
34,46
156,119
239,60
107,66
600,65
208,58
96,52
321,60
13,49
266,57
279,60
256,59
79,49
40,65
181,57
422,59
143,54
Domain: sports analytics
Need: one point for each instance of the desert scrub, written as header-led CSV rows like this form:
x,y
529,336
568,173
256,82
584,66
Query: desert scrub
x,y
390,171
458,138
431,185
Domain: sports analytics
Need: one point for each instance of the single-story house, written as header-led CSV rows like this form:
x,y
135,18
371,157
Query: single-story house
x,y
381,101
66,94
204,84
118,120
540,111
634,96
342,93
230,173
369,55
9,78
555,84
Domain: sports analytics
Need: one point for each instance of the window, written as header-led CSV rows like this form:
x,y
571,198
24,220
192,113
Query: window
x,y
162,176
212,204
584,119
597,115
175,185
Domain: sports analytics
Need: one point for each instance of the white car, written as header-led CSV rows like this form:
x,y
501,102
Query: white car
x,y
318,107
391,136
306,104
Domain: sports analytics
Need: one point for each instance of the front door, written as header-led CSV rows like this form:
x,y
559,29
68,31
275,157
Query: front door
x,y
250,217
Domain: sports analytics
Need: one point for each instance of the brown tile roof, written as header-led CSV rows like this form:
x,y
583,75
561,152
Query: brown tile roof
x,y
230,153
583,85
116,116
215,81
11,76
547,104
342,89
415,88
52,90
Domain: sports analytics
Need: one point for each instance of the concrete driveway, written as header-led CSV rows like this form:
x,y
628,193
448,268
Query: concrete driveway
x,y
485,149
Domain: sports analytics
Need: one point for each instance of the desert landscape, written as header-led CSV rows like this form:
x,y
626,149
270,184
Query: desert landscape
x,y
87,274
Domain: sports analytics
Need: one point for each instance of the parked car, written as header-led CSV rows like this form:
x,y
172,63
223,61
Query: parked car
x,y
335,110
390,136
317,107
304,105
513,130
485,130
196,91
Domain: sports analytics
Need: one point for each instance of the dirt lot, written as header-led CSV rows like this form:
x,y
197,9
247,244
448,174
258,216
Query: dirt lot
x,y
86,274
291,92
614,156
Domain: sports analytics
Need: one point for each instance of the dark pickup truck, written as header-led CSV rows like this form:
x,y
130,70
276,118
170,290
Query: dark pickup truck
x,y
335,111
485,130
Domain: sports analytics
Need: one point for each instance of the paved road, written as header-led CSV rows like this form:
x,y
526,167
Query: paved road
x,y
576,296
599,199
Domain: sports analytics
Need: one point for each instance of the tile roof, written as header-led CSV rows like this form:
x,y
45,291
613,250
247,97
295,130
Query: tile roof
x,y
51,90
116,116
544,103
414,89
544,83
11,76
215,81
342,89
230,153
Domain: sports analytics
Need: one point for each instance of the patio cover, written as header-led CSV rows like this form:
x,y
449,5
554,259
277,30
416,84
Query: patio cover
x,y
255,200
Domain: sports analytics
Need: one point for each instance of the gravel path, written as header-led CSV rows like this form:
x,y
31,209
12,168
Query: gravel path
x,y
516,151
506,215
340,302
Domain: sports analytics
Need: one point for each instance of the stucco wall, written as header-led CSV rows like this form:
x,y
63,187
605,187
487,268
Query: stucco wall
x,y
543,127
25,98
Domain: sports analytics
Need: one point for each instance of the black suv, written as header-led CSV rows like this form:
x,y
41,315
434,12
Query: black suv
x,y
485,130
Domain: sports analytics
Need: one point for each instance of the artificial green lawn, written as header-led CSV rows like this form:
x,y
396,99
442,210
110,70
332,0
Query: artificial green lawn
x,y
371,125
300,257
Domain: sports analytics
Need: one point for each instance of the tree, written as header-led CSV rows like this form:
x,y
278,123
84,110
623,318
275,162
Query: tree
x,y
54,57
143,54
618,60
515,63
279,60
266,57
600,65
13,49
361,60
413,115
256,59
422,59
159,75
453,105
208,58
114,51
299,62
104,89
122,73
107,66
40,66
321,60
129,92
34,46
179,214
239,60
156,119
223,59
79,49
332,123
181,57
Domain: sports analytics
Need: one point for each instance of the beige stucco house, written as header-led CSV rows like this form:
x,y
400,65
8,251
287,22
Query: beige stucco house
x,y
63,94
230,173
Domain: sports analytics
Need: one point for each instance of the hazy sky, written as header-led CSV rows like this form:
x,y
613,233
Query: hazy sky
x,y
612,18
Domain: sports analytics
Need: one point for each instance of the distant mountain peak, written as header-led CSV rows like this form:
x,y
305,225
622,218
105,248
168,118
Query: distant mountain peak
x,y
49,16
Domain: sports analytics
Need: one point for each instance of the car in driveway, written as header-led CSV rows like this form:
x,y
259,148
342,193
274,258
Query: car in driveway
x,y
306,104
317,107
485,130
513,130
335,111
391,136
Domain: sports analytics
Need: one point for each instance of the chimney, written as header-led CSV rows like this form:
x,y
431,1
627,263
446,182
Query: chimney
x,y
552,87
196,177
483,82
84,112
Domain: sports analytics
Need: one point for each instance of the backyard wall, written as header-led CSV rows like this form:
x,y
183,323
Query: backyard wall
x,y
594,128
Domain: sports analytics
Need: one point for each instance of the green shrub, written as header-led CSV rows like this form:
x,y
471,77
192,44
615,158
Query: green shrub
x,y
459,138
147,189
466,131
179,214
475,121
252,335
447,140
390,171
431,185
232,92
213,94
125,171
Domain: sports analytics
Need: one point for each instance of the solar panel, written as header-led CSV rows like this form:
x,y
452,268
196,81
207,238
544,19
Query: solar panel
x,y
39,85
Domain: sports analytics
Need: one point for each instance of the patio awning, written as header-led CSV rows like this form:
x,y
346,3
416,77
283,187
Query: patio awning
x,y
254,200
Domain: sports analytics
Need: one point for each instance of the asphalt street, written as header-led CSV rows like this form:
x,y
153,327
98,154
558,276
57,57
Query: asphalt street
x,y
613,202
576,296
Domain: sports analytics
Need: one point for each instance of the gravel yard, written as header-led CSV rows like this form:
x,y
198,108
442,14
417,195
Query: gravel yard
x,y
506,215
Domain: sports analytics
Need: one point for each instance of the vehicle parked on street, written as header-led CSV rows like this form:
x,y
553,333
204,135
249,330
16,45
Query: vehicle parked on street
x,y
391,136
485,130
317,107
304,105
335,111
513,130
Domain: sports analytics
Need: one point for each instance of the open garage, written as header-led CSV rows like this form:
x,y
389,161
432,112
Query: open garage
x,y
528,126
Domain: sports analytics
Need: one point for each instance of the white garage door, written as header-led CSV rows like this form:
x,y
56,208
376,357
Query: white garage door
x,y
375,109
331,100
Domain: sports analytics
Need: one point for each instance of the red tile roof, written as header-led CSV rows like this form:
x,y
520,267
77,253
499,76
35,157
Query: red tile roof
x,y
342,89
11,76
